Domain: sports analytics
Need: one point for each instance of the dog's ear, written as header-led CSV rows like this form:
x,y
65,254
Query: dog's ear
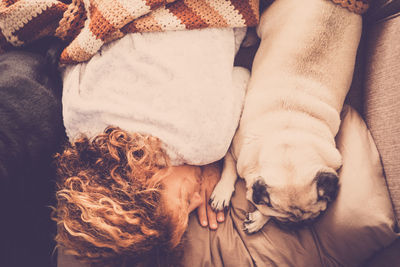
x,y
327,185
260,193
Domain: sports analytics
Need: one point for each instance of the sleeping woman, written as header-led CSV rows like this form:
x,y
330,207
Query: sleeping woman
x,y
142,116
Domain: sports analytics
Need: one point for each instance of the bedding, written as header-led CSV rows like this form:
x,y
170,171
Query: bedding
x,y
31,131
88,24
358,223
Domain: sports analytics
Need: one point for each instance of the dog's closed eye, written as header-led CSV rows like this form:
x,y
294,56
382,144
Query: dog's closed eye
x,y
260,193
327,186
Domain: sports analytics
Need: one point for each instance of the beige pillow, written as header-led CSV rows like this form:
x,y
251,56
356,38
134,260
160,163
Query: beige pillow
x,y
357,224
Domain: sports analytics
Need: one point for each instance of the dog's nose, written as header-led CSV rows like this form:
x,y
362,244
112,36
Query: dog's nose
x,y
260,193
327,186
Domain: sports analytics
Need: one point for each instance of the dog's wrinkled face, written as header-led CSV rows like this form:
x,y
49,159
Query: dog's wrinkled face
x,y
295,190
296,203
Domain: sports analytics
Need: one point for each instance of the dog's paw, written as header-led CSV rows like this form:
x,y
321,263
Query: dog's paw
x,y
221,197
254,222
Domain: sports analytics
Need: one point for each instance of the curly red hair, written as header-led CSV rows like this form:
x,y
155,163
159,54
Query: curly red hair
x,y
109,207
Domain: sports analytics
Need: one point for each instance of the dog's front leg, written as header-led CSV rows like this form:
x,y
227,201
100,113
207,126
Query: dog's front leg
x,y
221,196
254,221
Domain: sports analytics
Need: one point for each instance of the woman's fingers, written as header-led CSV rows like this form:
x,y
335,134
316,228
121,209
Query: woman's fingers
x,y
211,215
202,209
207,216
212,173
220,216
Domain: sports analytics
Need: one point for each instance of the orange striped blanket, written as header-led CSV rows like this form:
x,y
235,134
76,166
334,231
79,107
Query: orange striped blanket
x,y
88,24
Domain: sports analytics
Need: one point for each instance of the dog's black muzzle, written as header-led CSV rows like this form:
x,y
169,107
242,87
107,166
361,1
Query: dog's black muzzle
x,y
260,193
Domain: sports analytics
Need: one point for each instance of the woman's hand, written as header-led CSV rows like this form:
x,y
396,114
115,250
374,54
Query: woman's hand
x,y
211,174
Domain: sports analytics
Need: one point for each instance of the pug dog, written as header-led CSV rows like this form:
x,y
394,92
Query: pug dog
x,y
284,147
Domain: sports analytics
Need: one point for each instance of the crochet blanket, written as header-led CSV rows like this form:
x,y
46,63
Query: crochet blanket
x,y
88,24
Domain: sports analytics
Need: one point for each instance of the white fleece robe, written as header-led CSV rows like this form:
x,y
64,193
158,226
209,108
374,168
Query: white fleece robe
x,y
179,86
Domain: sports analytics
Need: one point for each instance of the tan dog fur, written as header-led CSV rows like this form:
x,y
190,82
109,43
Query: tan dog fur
x,y
301,74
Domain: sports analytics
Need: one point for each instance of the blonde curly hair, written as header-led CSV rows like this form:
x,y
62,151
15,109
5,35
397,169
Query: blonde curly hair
x,y
109,207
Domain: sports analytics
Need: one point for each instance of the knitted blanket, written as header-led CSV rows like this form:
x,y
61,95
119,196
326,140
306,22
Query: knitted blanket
x,y
88,24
